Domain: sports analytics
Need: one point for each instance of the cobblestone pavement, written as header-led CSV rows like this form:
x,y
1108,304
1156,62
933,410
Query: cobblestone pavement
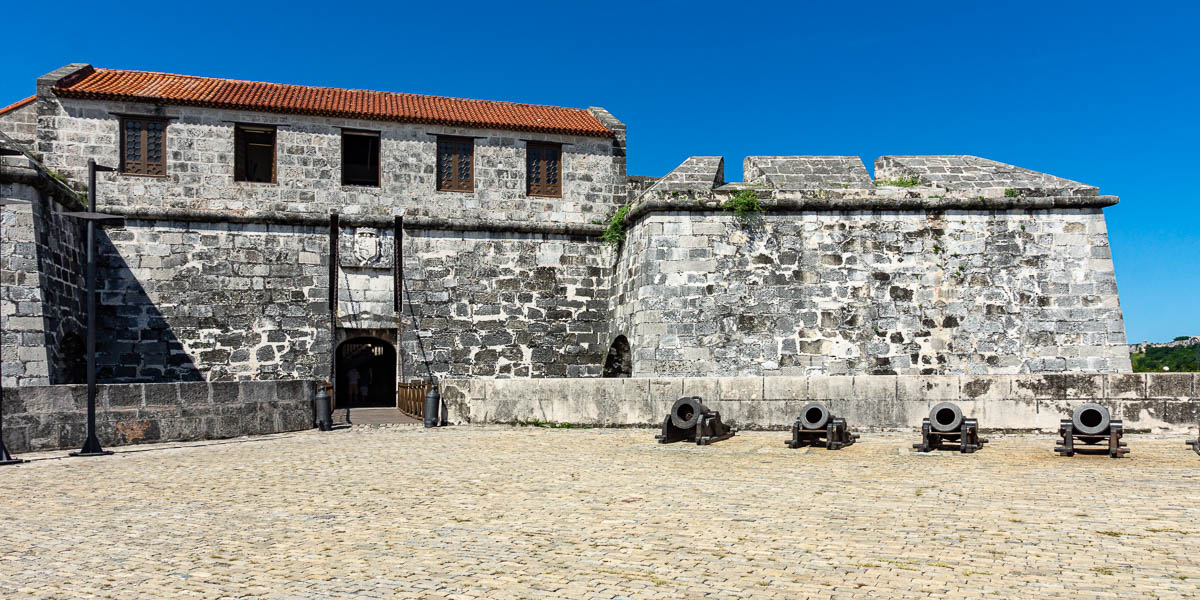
x,y
495,512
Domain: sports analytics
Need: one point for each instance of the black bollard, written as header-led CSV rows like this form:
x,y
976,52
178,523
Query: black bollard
x,y
324,413
433,409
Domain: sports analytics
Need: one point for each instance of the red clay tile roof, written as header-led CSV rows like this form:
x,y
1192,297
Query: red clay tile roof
x,y
142,86
17,104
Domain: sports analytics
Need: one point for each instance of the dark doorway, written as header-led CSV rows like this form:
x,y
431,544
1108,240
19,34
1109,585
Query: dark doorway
x,y
366,373
619,362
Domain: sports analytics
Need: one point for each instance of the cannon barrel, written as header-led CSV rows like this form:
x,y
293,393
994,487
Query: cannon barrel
x,y
945,416
1090,419
814,416
686,411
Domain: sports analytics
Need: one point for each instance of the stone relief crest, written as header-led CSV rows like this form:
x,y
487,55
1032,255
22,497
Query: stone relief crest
x,y
366,244
366,248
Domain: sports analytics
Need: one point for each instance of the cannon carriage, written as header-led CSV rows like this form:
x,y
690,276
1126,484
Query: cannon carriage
x,y
947,425
689,420
1091,425
816,426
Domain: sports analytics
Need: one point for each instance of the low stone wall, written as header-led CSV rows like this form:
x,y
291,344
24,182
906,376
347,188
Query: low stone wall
x,y
1146,402
54,417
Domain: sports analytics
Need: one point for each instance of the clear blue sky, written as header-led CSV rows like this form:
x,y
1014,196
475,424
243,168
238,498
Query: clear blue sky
x,y
1100,92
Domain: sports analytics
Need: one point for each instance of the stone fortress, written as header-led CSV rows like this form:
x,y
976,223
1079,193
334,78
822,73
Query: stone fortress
x,y
221,271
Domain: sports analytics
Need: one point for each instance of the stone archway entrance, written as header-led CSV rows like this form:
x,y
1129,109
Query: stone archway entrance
x,y
619,362
366,364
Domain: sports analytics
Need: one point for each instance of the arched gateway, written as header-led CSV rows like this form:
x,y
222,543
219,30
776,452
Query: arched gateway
x,y
366,364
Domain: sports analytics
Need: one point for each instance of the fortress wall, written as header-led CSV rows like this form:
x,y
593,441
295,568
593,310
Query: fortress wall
x,y
220,301
871,292
200,166
1147,402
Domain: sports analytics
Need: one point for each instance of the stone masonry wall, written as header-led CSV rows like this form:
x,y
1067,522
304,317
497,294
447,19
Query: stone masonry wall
x,y
871,292
189,301
1144,401
200,166
55,417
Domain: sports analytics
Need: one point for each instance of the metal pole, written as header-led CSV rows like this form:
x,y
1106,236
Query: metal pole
x,y
334,231
91,447
398,290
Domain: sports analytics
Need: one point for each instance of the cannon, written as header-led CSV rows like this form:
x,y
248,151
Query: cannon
x,y
814,423
946,423
689,420
1091,424
1195,444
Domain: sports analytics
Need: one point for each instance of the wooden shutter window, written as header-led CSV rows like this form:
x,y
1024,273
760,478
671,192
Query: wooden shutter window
x,y
455,164
254,153
143,147
543,169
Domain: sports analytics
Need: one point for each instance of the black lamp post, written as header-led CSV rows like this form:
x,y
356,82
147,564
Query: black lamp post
x,y
91,447
5,457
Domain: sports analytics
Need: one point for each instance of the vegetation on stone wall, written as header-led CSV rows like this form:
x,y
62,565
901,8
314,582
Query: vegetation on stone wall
x,y
1180,358
614,227
901,181
745,205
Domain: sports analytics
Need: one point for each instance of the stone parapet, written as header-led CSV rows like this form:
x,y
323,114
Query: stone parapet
x,y
1146,402
55,417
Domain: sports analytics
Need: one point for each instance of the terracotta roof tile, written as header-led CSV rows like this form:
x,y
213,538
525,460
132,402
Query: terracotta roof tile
x,y
141,86
17,104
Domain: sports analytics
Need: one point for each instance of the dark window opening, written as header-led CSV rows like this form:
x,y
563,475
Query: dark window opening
x,y
619,362
143,147
254,153
360,158
455,164
543,169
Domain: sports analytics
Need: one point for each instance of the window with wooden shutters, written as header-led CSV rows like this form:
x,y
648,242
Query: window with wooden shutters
x,y
543,169
455,164
254,153
143,146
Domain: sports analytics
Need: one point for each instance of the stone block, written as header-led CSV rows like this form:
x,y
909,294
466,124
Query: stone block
x,y
194,393
161,394
928,388
785,388
1125,386
667,389
1170,385
296,390
1076,385
985,387
708,388
257,391
225,392
828,388
740,388
1032,387
875,387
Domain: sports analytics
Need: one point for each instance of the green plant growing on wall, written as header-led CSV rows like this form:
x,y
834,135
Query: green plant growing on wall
x,y
614,227
1011,193
745,206
901,181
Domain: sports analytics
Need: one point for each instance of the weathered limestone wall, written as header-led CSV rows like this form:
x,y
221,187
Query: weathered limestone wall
x,y
956,273
55,417
1146,402
219,301
872,292
200,166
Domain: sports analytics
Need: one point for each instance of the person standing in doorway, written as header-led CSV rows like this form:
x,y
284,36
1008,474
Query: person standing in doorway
x,y
352,389
364,386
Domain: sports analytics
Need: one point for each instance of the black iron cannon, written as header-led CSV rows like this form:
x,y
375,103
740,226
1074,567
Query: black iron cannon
x,y
1195,444
689,420
816,425
946,423
1091,424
